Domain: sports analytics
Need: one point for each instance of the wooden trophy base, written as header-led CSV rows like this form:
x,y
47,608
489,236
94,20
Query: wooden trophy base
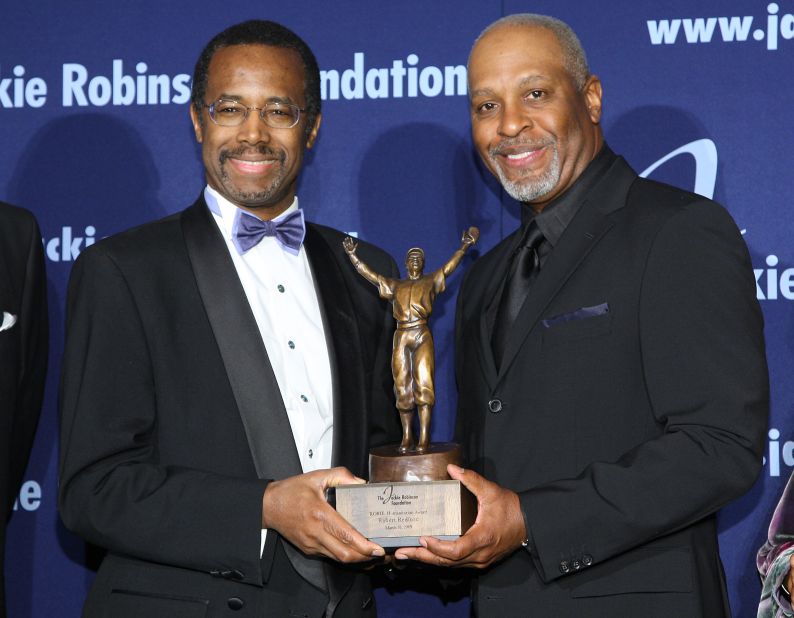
x,y
409,495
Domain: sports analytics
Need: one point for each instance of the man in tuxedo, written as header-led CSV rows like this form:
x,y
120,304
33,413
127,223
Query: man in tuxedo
x,y
23,351
218,362
610,359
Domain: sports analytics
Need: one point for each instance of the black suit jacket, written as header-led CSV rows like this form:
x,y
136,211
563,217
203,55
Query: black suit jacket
x,y
23,351
631,405
173,423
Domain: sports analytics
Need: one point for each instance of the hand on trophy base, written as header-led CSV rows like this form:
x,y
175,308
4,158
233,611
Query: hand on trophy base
x,y
499,529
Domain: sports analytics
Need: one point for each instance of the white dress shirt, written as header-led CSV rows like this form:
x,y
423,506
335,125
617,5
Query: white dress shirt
x,y
280,290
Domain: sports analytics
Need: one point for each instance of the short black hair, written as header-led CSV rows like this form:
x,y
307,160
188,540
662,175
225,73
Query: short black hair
x,y
261,32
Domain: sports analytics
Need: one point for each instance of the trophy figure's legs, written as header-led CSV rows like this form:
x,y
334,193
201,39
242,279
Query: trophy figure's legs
x,y
424,391
424,427
412,368
406,416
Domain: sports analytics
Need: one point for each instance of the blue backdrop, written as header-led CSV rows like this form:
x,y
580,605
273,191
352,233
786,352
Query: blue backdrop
x,y
95,138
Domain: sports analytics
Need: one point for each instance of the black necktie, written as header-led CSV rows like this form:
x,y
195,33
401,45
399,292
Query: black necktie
x,y
523,270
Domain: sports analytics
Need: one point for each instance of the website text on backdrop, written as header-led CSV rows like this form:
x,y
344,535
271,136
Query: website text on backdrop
x,y
627,400
218,362
24,345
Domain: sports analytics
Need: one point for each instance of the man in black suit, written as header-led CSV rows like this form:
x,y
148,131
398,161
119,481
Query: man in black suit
x,y
23,351
610,359
216,367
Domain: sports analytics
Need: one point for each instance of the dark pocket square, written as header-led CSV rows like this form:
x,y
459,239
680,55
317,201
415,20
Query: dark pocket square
x,y
578,314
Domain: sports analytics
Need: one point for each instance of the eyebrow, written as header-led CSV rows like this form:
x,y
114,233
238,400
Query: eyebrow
x,y
526,81
531,79
481,92
238,98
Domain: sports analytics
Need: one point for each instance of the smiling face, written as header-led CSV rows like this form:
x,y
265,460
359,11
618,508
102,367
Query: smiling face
x,y
533,128
415,263
253,165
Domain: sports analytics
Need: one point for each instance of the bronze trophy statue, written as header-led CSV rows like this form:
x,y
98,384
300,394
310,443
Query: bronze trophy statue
x,y
426,498
412,361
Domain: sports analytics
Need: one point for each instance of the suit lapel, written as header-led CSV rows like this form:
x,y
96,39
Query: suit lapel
x,y
342,339
350,423
494,284
589,225
244,356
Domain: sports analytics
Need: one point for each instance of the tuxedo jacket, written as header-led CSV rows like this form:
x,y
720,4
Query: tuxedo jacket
x,y
23,351
631,404
173,423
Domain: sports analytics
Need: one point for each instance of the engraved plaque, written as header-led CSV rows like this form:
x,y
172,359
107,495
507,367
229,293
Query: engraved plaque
x,y
397,514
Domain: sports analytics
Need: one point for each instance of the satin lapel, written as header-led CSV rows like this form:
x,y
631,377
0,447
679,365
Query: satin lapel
x,y
583,233
247,365
342,338
494,281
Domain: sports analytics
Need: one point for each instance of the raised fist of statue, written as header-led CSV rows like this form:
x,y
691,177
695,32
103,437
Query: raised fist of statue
x,y
350,245
470,236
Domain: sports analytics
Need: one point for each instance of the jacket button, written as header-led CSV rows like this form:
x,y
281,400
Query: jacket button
x,y
235,603
495,406
565,567
587,559
576,565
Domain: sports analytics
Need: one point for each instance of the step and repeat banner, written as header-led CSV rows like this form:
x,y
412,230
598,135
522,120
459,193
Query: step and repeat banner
x,y
95,138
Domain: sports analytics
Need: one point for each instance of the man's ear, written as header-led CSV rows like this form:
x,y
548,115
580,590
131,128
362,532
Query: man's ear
x,y
313,133
198,124
592,97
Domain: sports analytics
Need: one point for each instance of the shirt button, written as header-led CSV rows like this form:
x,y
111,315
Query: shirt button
x,y
304,398
495,406
291,345
311,453
280,288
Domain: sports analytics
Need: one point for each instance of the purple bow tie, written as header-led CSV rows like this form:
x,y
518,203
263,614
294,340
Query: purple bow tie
x,y
249,230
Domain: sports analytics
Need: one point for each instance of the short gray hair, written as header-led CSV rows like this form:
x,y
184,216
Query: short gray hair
x,y
575,60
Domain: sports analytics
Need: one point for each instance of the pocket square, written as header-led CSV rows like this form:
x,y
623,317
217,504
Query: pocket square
x,y
9,319
578,314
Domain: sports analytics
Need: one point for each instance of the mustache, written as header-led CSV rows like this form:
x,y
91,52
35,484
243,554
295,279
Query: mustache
x,y
279,155
512,142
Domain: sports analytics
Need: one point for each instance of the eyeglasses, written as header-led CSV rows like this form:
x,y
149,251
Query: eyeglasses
x,y
230,113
